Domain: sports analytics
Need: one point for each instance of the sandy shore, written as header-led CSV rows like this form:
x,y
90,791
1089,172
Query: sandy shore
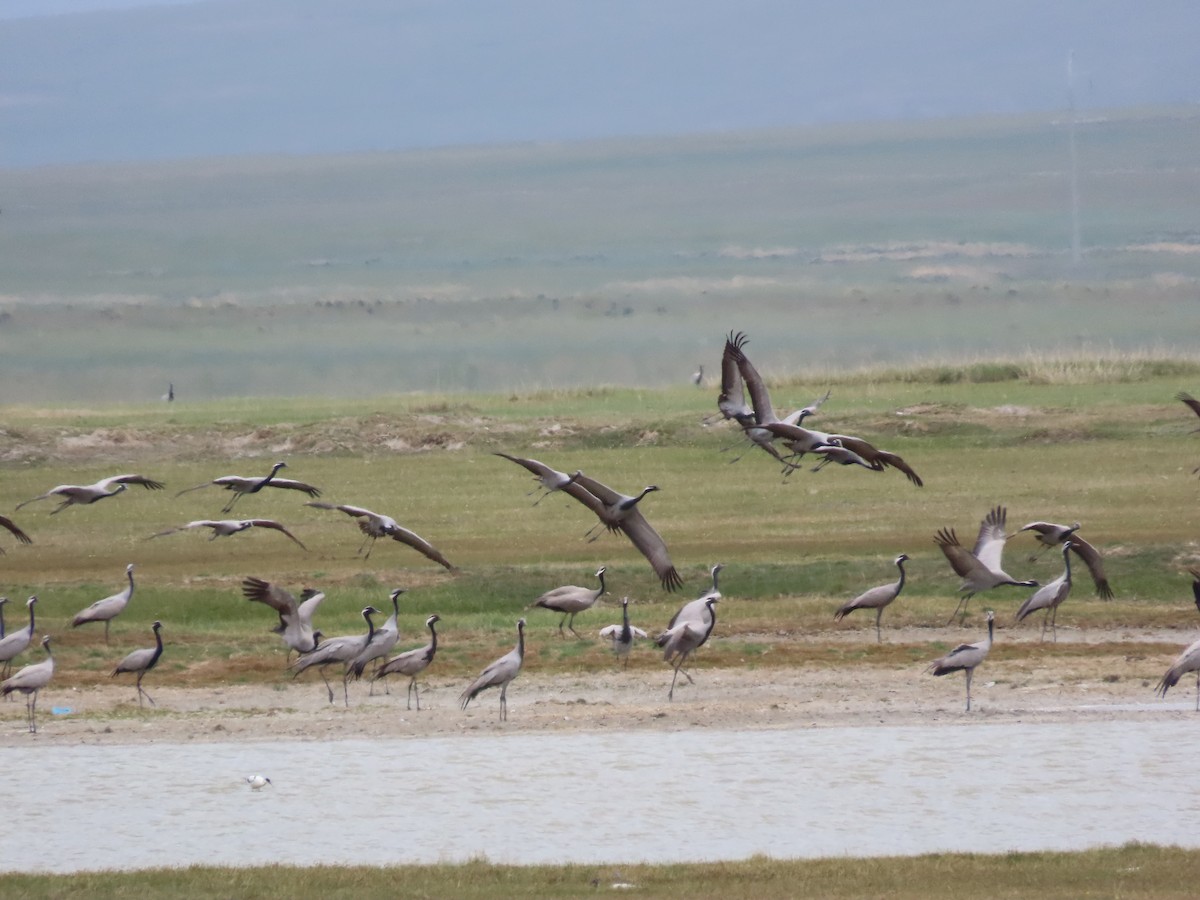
x,y
1050,688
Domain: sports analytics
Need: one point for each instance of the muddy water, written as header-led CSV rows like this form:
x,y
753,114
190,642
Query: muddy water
x,y
604,797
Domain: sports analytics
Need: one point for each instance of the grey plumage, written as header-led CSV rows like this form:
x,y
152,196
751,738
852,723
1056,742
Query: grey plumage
x,y
375,525
295,618
622,512
337,650
877,598
83,494
107,609
1052,534
386,637
229,527
241,485
1189,659
142,661
571,599
549,479
499,674
14,643
1050,596
413,662
979,568
622,636
689,629
29,681
965,658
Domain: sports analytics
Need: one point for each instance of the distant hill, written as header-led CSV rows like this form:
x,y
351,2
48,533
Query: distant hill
x,y
234,77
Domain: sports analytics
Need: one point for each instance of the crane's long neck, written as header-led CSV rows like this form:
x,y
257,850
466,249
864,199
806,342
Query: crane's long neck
x,y
1067,562
1,620
715,572
521,642
31,624
626,632
900,583
991,630
603,589
432,638
129,574
370,626
630,502
158,646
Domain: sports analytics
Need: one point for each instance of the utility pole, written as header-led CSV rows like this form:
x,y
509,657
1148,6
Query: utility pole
x,y
1076,248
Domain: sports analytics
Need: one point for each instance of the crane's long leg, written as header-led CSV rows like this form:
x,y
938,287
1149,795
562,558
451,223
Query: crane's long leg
x,y
878,616
141,692
504,703
1198,690
571,626
327,686
962,604
32,705
969,673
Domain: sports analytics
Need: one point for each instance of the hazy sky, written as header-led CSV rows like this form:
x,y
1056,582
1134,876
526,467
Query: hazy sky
x,y
87,80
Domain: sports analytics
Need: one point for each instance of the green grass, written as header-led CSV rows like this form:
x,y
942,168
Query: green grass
x,y
1132,872
1059,449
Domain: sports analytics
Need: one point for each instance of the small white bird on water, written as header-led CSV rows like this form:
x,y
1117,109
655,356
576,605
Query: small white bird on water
x,y
257,782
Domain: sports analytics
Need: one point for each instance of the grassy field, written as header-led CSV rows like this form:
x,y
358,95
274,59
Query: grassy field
x,y
1104,444
1133,872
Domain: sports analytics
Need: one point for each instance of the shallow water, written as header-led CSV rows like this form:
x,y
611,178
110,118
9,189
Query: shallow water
x,y
600,797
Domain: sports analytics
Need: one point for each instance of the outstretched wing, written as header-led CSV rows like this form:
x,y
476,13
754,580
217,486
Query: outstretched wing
x,y
291,485
414,540
1188,400
1091,558
960,558
653,547
148,483
13,529
989,546
271,523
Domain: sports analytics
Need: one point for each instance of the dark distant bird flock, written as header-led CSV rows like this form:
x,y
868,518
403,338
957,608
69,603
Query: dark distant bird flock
x,y
979,568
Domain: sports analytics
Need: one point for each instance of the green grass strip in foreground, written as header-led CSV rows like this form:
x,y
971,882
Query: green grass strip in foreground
x,y
1131,872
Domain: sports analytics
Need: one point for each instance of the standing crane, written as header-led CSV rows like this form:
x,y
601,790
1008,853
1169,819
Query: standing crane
x,y
29,681
685,635
965,658
979,568
107,609
13,644
499,674
623,635
877,598
142,661
571,599
381,645
337,650
83,494
1050,596
412,663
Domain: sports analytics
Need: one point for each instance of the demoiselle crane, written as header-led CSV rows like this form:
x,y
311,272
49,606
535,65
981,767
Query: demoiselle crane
x,y
107,609
83,494
142,661
499,674
979,568
965,658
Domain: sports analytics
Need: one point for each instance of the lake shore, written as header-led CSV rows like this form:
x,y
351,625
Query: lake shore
x,y
1070,687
